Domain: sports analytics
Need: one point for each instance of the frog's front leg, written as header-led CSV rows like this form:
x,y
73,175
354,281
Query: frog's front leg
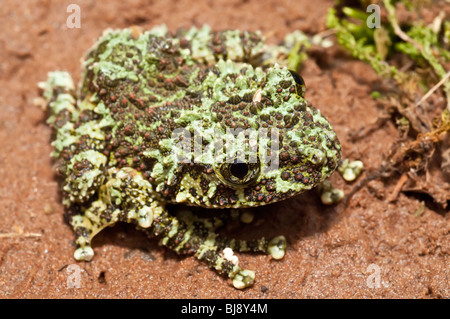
x,y
125,196
89,224
189,234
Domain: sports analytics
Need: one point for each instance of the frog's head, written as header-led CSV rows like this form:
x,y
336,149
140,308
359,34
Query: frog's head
x,y
280,144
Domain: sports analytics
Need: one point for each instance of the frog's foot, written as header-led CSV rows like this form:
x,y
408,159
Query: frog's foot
x,y
330,195
350,170
124,197
86,226
189,234
225,262
218,252
277,247
243,279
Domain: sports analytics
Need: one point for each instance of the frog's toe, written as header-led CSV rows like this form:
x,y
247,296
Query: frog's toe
x,y
145,217
246,217
277,247
85,253
243,279
330,195
350,170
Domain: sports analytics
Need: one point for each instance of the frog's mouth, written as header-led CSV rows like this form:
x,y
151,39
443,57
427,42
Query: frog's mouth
x,y
224,197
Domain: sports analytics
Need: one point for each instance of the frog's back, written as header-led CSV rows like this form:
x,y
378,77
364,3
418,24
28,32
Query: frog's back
x,y
141,86
159,66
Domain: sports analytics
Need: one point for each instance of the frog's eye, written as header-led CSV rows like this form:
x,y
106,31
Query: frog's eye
x,y
297,78
239,170
300,83
237,173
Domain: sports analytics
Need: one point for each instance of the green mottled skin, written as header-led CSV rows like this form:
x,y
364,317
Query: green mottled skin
x,y
114,137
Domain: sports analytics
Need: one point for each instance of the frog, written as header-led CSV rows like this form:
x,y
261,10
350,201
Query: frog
x,y
188,118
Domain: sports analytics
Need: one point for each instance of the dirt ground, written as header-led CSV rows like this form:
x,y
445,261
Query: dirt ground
x,y
370,248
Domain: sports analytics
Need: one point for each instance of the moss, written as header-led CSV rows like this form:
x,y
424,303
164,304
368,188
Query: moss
x,y
412,54
419,43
